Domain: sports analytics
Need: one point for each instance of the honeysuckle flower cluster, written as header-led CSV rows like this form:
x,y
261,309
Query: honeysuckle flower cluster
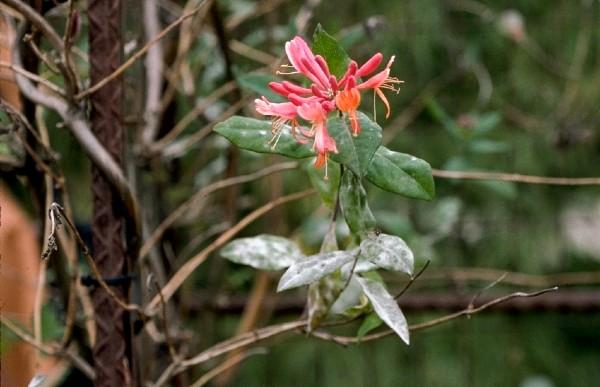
x,y
325,95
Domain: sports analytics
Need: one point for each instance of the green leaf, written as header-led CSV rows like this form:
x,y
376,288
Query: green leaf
x,y
354,205
388,252
258,83
370,322
402,174
253,135
265,252
313,268
386,307
355,152
327,188
334,54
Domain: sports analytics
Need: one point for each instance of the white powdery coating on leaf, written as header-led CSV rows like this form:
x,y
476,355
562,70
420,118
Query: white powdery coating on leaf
x,y
265,252
388,252
386,307
313,268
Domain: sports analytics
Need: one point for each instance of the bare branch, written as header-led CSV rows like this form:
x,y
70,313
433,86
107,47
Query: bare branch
x,y
514,177
345,340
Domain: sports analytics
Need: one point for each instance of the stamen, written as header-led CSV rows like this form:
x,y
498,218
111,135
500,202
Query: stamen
x,y
284,73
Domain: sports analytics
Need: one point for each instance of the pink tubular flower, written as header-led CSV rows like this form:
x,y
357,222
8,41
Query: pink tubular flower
x,y
324,143
303,60
324,94
381,80
282,113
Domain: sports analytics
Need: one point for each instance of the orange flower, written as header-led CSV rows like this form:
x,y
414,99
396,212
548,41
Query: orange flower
x,y
348,101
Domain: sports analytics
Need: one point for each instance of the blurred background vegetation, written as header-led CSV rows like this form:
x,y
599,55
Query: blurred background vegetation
x,y
508,86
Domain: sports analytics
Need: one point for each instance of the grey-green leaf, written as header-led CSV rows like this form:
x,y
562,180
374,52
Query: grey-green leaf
x,y
355,152
354,205
402,174
265,252
334,54
386,307
313,268
253,135
388,252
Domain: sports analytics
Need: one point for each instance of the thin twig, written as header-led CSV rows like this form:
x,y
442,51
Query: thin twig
x,y
345,340
188,268
514,177
209,189
29,39
412,279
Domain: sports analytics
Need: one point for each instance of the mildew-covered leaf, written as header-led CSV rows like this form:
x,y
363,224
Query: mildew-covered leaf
x,y
388,252
265,252
386,307
313,268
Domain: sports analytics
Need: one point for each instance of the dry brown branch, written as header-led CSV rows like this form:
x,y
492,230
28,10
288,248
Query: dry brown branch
x,y
209,189
515,177
188,268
